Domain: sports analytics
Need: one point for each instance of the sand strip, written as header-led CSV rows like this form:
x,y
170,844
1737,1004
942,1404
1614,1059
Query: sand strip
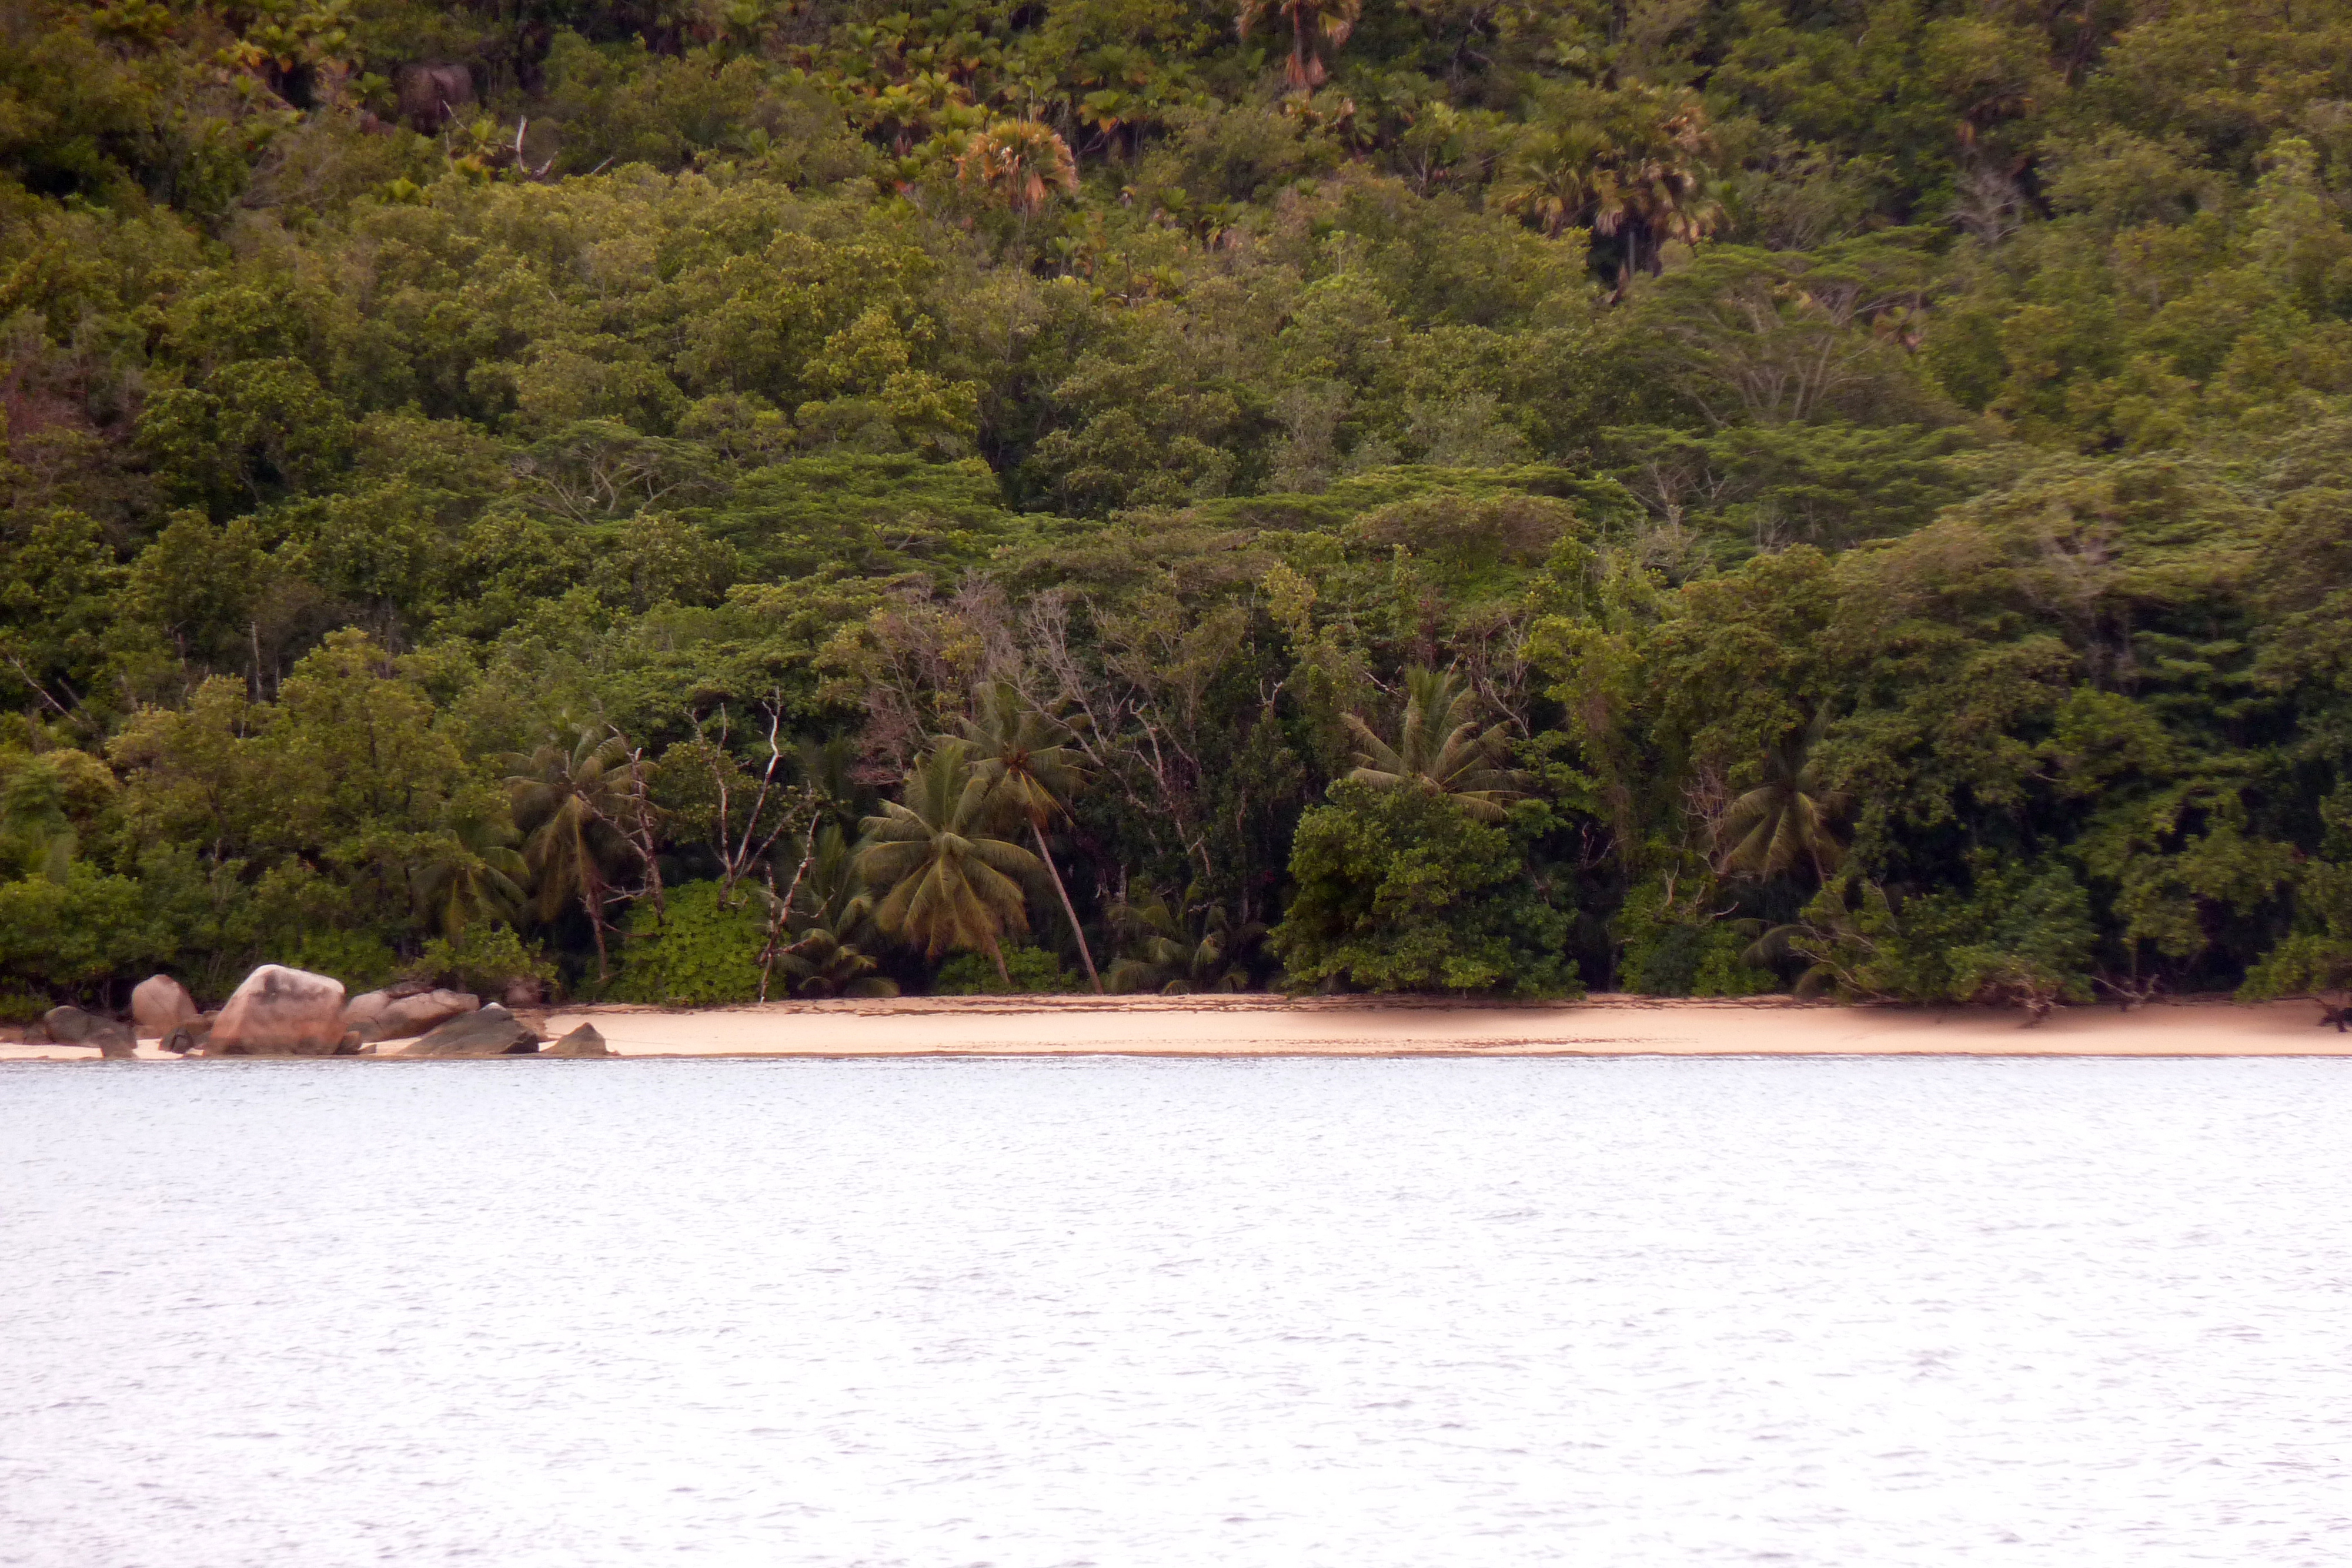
x,y
1275,1025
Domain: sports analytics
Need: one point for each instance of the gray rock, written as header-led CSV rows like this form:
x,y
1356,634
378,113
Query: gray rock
x,y
71,1025
280,1011
523,993
67,1025
491,1032
582,1042
190,1036
393,1014
160,1005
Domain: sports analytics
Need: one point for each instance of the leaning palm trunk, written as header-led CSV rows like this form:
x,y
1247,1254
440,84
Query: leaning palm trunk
x,y
1086,956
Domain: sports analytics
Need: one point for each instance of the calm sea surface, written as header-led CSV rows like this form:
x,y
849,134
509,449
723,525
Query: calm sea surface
x,y
1361,1314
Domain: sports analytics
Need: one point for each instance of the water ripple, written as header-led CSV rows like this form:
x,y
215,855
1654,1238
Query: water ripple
x,y
1130,1313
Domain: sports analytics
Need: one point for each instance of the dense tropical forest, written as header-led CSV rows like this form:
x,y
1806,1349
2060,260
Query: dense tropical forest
x,y
705,498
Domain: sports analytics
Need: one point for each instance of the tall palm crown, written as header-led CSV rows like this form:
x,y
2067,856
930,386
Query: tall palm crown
x,y
1631,163
1020,162
1032,771
1555,180
1441,748
1786,821
950,882
1313,24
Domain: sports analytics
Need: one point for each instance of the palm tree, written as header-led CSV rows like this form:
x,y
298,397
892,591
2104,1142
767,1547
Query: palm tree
x,y
563,799
1019,163
1441,748
1554,181
1631,163
1032,773
1313,24
477,876
1167,955
827,912
1787,820
951,884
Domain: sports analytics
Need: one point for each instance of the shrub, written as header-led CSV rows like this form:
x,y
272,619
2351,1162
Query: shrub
x,y
1679,950
1034,971
360,959
481,958
64,937
696,952
1400,891
2020,936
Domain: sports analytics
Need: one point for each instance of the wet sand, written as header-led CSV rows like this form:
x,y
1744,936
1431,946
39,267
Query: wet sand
x,y
1276,1026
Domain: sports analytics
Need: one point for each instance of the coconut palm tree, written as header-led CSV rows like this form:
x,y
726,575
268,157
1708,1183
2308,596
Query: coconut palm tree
x,y
564,798
1168,954
828,914
950,882
1441,748
1785,820
477,876
1019,163
1032,773
1315,24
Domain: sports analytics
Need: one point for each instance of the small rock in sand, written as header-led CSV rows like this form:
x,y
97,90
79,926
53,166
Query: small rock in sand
x,y
582,1041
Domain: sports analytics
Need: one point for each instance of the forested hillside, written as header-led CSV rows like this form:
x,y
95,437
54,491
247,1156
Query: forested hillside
x,y
685,497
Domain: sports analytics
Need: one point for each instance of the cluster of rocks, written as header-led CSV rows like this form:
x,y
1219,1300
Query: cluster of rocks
x,y
280,1011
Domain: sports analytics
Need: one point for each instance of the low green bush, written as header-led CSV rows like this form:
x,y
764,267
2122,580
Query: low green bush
x,y
696,952
1034,971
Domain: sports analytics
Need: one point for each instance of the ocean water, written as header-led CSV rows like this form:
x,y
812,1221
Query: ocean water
x,y
1290,1313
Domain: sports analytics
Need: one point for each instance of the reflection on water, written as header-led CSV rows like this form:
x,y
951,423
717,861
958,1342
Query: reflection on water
x,y
1357,1313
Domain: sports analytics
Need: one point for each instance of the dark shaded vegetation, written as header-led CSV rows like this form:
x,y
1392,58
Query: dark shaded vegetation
x,y
728,497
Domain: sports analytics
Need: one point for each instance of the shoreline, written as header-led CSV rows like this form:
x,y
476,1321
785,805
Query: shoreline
x,y
1274,1026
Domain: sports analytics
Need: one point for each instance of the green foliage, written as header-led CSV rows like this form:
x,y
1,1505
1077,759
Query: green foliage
x,y
481,957
1817,441
698,952
361,961
1033,971
2020,936
1681,946
70,935
1399,890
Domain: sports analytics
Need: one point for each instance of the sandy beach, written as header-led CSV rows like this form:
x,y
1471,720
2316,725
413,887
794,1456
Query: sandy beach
x,y
1278,1026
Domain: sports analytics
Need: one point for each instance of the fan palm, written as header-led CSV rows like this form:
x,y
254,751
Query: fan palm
x,y
563,797
1441,748
1785,820
1020,162
1556,180
950,882
1032,773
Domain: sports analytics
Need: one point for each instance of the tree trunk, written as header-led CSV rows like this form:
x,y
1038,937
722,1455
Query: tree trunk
x,y
1002,972
593,898
1086,955
780,916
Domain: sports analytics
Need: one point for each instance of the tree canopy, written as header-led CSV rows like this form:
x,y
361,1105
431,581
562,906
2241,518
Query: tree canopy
x,y
1650,478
